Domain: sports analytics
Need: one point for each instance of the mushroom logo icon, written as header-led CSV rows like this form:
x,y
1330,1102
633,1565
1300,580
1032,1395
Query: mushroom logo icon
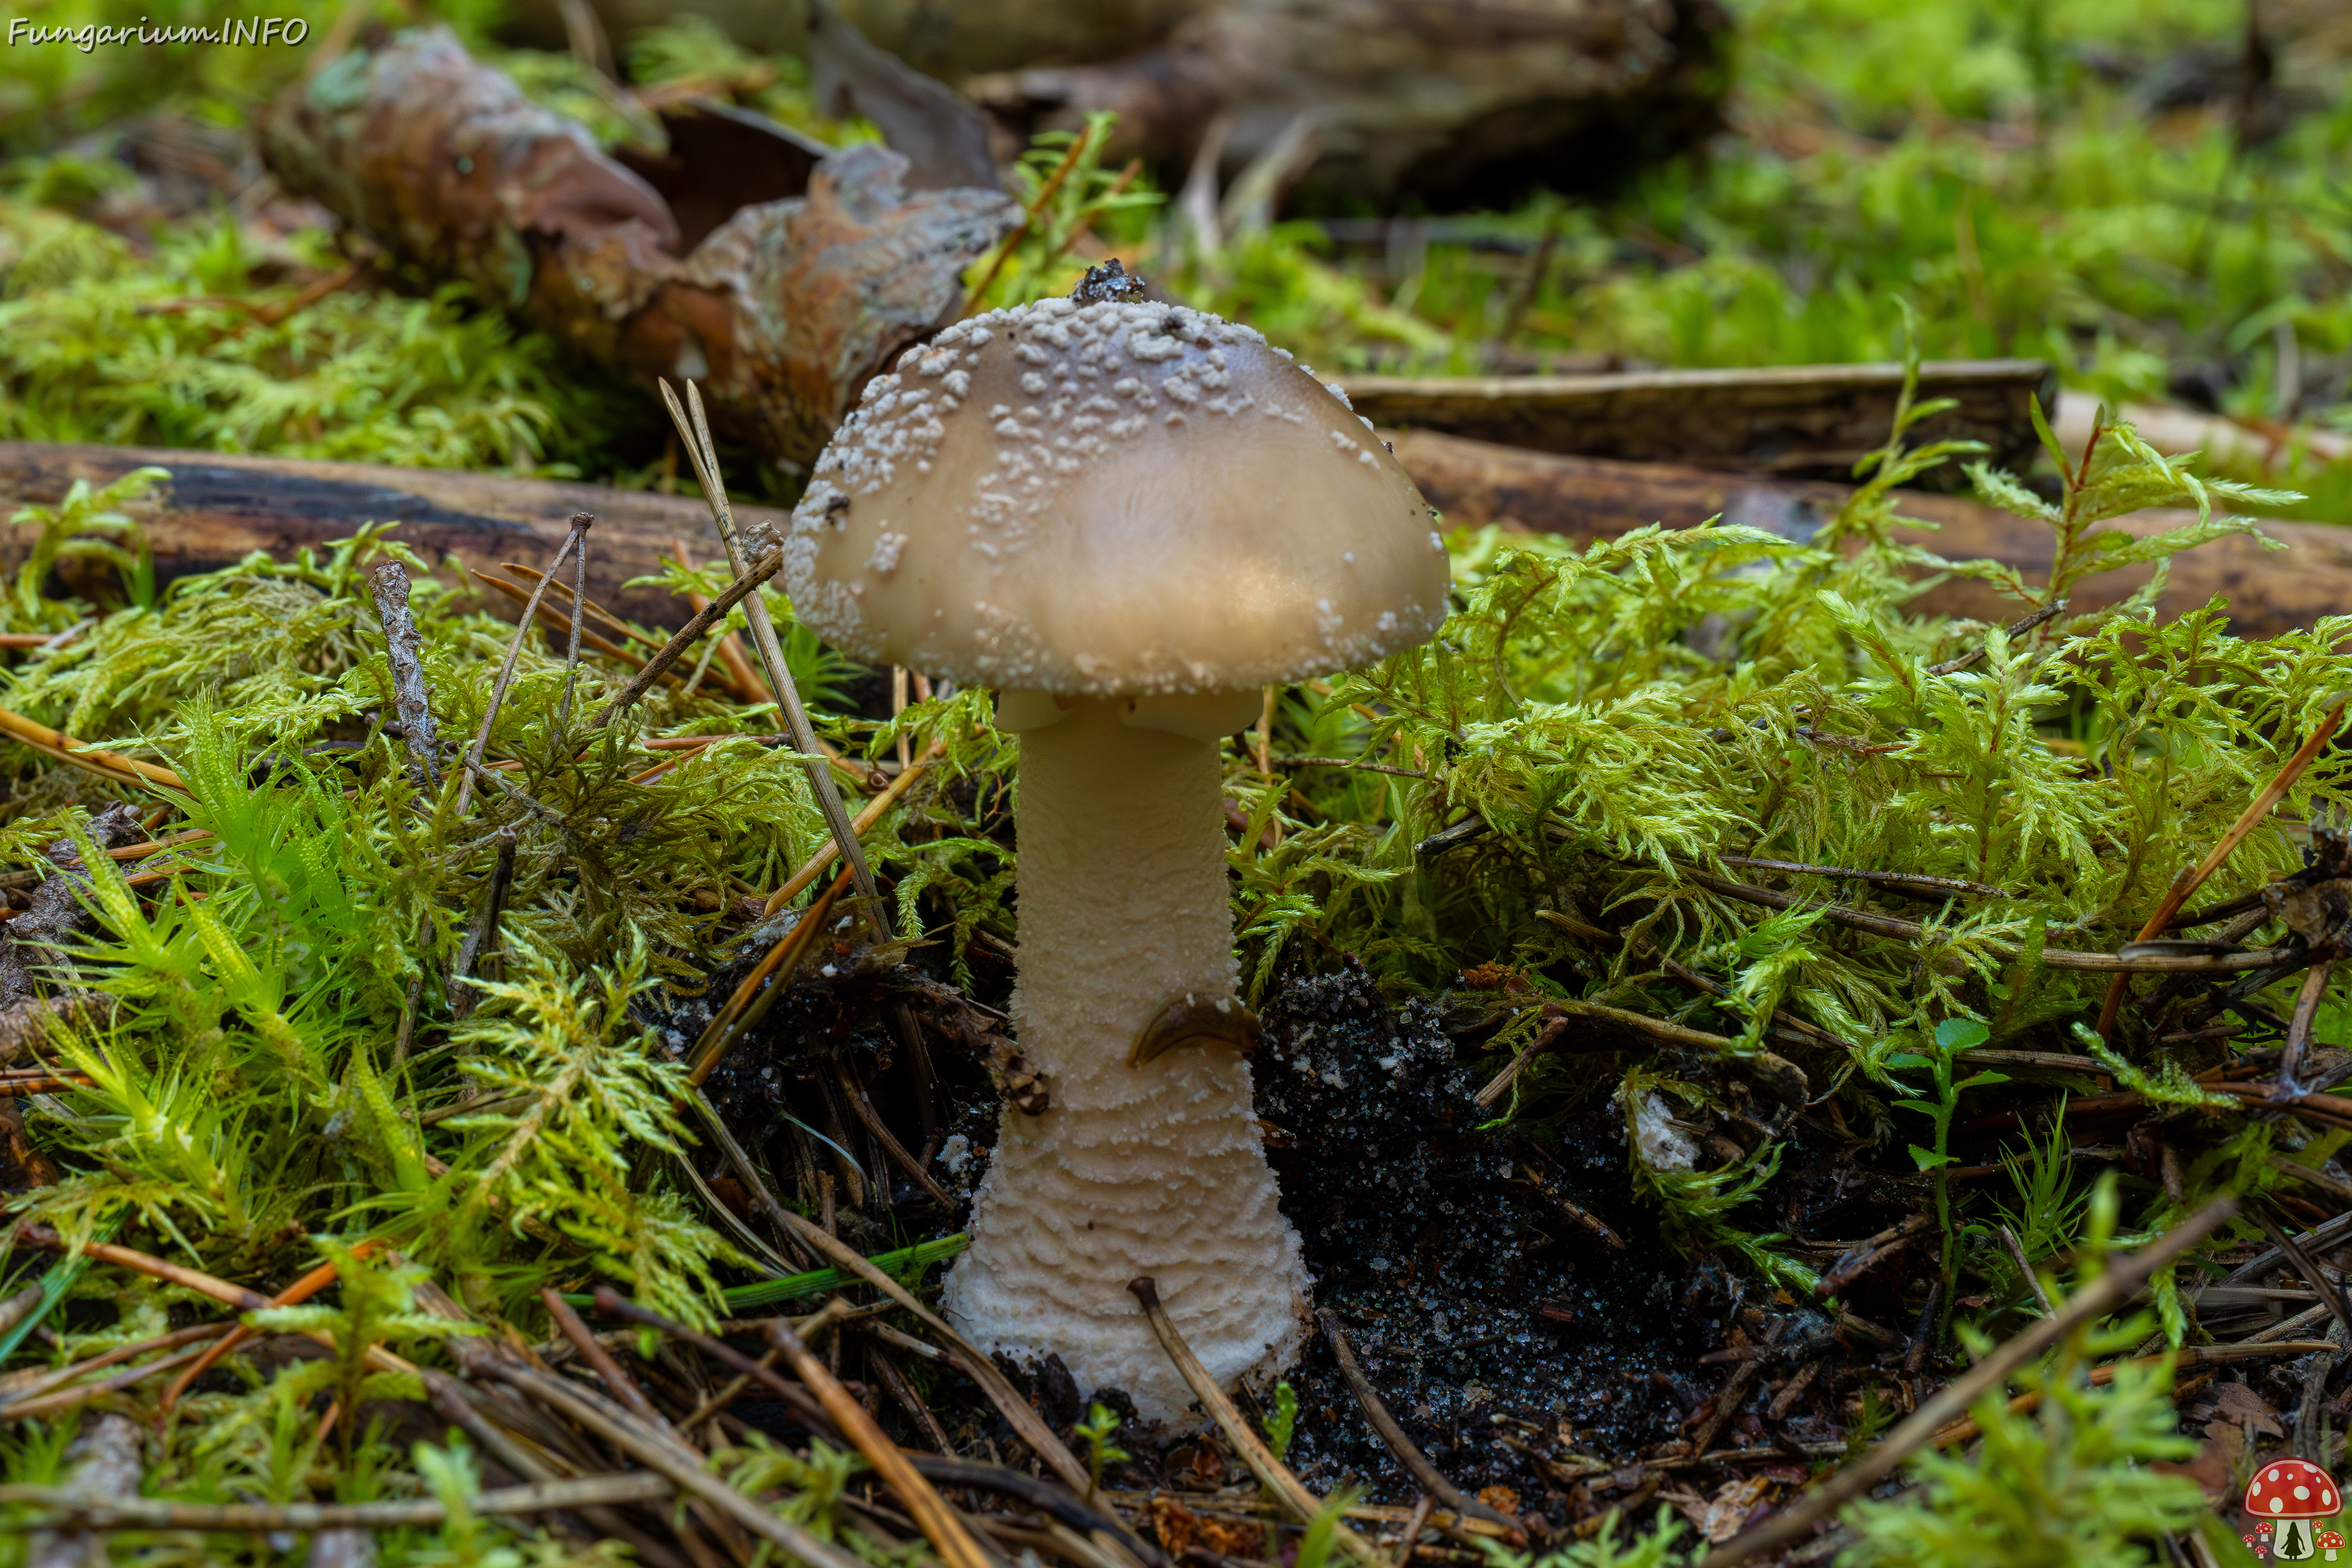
x,y
2331,1542
2293,1496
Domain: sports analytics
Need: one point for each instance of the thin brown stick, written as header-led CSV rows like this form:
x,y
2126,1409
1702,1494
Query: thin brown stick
x,y
580,519
1045,192
1898,879
1510,1074
2183,888
767,566
803,1403
2025,1268
840,1407
66,1399
35,1384
873,812
20,1087
1287,1489
748,1173
2122,1278
1574,1210
886,1367
237,1296
600,1359
65,748
730,647
2014,630
2339,1190
556,620
301,1291
579,608
1355,764
749,1003
1413,1527
2100,1377
938,1522
2298,1029
1899,930
1017,1411
1433,1481
705,454
596,612
673,1460
897,1150
483,935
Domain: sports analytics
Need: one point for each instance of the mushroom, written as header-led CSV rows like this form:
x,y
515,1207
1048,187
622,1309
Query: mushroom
x,y
2331,1542
1127,519
2291,1493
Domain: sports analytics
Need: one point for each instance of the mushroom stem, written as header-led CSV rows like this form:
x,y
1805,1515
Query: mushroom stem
x,y
1156,1168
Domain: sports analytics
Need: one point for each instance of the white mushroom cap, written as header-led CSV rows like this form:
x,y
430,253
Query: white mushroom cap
x,y
1111,499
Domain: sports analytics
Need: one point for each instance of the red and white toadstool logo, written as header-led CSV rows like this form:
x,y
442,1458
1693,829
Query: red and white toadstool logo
x,y
2290,1496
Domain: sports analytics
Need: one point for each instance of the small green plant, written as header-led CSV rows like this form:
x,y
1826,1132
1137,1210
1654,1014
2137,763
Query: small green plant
x,y
61,537
1282,1425
1315,1541
1098,1429
1610,1547
1064,193
1950,1041
375,1310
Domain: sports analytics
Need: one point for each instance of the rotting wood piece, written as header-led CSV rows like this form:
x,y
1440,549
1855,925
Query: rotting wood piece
x,y
1813,420
782,313
1587,499
221,506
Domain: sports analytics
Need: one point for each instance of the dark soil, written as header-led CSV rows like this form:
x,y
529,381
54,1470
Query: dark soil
x,y
1496,1329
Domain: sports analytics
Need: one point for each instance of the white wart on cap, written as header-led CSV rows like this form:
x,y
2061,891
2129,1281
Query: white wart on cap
x,y
1107,500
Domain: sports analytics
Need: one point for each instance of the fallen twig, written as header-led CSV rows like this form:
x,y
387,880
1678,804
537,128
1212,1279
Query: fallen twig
x,y
1899,881
873,812
92,759
301,1291
1432,1480
749,1003
1017,1411
1287,1489
2122,1278
2183,887
696,435
2186,1355
683,1465
580,521
403,647
1899,930
767,566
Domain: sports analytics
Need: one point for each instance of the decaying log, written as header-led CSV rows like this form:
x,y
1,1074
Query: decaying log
x,y
220,508
1810,420
1461,104
948,39
2228,444
783,312
1585,498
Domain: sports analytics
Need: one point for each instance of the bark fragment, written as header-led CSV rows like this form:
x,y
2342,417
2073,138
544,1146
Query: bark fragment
x,y
33,938
781,313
